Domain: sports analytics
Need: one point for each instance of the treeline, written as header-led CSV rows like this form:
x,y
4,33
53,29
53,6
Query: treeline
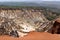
x,y
50,13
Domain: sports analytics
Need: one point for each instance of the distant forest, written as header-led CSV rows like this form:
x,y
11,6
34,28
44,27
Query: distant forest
x,y
50,13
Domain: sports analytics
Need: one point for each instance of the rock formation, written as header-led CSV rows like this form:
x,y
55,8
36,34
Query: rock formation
x,y
56,27
17,22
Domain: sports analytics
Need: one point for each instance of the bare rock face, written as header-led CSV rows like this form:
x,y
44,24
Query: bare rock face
x,y
19,23
45,26
56,27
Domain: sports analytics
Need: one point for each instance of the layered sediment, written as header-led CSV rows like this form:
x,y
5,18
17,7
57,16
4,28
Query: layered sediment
x,y
22,21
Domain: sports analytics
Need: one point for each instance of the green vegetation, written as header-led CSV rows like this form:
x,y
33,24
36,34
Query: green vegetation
x,y
50,13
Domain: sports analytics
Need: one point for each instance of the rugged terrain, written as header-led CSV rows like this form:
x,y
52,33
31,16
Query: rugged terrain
x,y
20,21
34,36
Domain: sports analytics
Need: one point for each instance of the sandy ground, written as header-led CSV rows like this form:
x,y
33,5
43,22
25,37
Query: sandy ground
x,y
33,36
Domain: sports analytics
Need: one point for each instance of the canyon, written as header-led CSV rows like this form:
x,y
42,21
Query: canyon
x,y
19,22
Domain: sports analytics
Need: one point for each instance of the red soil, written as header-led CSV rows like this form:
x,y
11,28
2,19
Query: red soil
x,y
58,20
33,36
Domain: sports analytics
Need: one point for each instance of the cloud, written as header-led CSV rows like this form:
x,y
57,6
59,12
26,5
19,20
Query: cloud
x,y
27,0
50,0
19,0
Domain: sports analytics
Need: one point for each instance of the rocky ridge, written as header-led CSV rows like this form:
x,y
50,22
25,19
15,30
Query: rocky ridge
x,y
17,22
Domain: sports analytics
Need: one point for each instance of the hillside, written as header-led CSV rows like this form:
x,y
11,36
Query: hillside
x,y
34,36
25,20
52,4
19,22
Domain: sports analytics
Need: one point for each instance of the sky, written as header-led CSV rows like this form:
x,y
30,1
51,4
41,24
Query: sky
x,y
26,0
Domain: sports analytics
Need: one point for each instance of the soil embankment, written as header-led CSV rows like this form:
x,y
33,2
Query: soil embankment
x,y
34,36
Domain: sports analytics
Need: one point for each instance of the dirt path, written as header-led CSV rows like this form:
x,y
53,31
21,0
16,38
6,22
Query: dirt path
x,y
34,36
